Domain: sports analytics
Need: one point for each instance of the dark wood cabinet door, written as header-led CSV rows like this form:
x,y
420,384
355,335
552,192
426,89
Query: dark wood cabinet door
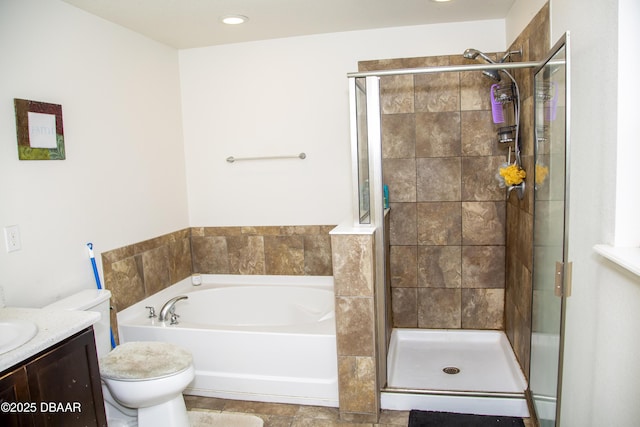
x,y
65,383
15,406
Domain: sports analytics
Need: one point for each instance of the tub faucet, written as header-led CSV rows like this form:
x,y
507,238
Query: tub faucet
x,y
152,311
169,308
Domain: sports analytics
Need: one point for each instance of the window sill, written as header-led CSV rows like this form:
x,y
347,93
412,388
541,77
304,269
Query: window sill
x,y
628,258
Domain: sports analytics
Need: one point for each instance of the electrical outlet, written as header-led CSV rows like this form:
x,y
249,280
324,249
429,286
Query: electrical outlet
x,y
12,238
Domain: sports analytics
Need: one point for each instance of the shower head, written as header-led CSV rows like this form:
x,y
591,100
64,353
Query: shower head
x,y
474,53
492,74
471,53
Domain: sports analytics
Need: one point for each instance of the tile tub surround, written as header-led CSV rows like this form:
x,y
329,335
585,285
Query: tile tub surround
x,y
139,270
280,250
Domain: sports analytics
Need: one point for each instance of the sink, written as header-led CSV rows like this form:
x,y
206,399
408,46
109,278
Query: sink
x,y
15,332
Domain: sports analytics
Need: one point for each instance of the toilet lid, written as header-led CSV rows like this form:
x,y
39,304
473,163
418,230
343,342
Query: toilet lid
x,y
144,360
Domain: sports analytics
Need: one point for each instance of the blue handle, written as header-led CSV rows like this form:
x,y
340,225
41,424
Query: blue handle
x,y
97,276
93,264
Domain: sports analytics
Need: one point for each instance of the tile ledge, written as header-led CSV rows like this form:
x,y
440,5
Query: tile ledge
x,y
628,258
349,228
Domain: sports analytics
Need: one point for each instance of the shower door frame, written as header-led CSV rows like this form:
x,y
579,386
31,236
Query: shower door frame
x,y
376,209
562,283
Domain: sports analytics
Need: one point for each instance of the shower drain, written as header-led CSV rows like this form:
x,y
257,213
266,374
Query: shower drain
x,y
451,370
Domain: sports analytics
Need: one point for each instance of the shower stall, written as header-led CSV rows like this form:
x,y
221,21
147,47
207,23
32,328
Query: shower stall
x,y
449,353
439,137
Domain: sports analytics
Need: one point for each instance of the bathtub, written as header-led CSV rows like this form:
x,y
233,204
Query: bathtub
x,y
262,338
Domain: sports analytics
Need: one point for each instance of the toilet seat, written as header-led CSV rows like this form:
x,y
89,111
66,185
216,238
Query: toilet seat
x,y
143,361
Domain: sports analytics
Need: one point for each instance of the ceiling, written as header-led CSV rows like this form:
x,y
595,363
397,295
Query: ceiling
x,y
195,23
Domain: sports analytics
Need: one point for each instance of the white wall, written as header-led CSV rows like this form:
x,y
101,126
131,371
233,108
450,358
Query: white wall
x,y
627,232
123,180
601,373
520,14
287,96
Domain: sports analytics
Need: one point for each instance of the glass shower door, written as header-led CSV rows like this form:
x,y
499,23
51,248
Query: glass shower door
x,y
551,271
360,155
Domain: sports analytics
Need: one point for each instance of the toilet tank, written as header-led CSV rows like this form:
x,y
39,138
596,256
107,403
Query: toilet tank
x,y
91,300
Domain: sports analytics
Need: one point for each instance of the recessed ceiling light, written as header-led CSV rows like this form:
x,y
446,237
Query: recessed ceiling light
x,y
440,1
234,19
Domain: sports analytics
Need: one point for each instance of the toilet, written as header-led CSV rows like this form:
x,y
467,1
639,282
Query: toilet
x,y
142,382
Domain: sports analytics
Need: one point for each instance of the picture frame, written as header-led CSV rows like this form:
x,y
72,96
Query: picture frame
x,y
39,130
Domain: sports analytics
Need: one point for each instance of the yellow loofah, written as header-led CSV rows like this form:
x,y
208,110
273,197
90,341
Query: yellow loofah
x,y
541,173
512,174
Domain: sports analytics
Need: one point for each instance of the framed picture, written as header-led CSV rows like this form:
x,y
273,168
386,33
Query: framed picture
x,y
39,129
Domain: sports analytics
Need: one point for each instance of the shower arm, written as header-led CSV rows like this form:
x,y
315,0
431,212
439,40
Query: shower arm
x,y
508,55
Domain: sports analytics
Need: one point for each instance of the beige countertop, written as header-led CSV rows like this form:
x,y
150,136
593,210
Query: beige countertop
x,y
53,327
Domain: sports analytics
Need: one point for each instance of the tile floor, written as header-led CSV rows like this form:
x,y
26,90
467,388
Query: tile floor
x,y
287,415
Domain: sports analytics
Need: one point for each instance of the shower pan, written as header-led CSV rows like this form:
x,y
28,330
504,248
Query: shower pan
x,y
454,370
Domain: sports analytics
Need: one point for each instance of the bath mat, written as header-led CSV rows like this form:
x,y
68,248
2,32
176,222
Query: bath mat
x,y
222,419
448,419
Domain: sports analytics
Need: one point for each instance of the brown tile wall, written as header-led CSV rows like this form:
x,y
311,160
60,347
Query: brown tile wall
x,y
535,43
139,270
289,250
447,231
354,279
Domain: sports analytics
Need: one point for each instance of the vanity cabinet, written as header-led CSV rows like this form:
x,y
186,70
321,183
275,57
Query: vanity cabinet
x,y
14,387
57,387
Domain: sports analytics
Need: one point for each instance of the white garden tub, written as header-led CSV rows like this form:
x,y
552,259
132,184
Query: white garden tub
x,y
264,338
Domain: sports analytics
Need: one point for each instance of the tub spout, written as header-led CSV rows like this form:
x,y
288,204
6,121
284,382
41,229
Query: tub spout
x,y
169,308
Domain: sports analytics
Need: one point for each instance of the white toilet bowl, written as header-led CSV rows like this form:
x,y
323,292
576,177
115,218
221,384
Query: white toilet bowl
x,y
142,382
118,415
149,377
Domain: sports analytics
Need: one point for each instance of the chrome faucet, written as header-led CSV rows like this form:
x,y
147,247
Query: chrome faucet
x,y
168,310
152,311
